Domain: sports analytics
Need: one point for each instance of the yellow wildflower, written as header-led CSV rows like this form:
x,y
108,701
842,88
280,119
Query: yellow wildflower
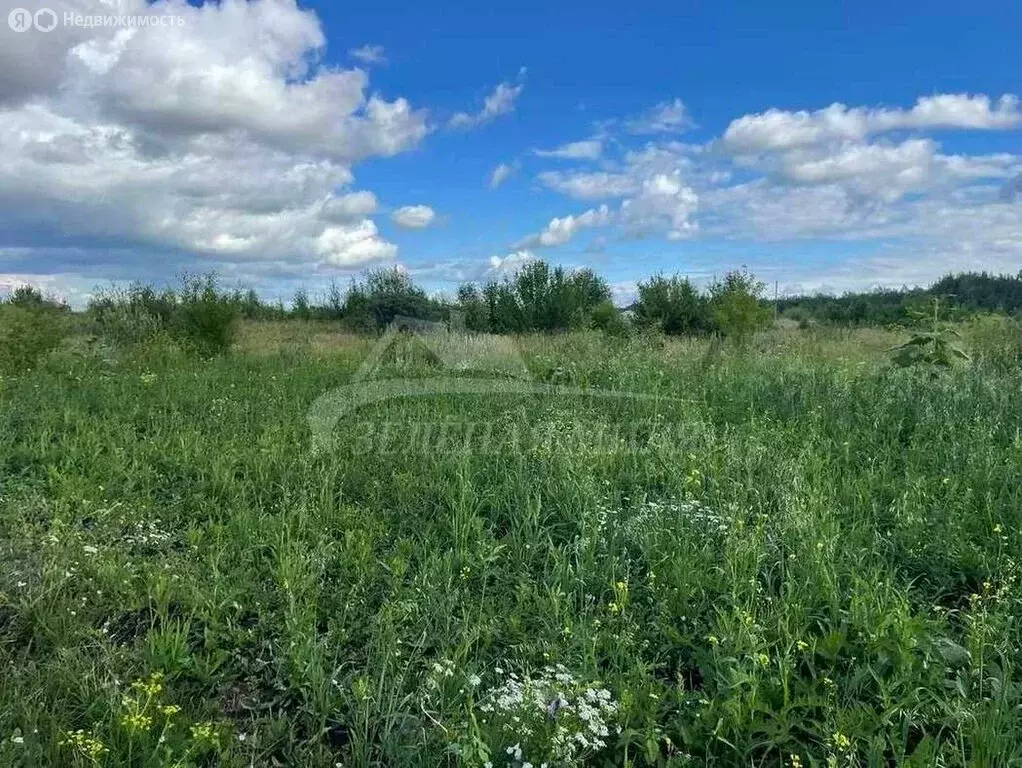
x,y
842,742
151,687
204,732
136,721
86,744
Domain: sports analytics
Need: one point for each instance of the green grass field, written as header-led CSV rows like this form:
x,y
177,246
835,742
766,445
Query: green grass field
x,y
795,555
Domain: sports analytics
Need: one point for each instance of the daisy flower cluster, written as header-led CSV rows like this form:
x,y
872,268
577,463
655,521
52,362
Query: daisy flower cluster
x,y
547,718
640,522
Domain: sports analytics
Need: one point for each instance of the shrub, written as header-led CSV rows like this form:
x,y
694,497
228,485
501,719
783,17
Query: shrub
x,y
205,318
27,334
672,305
386,294
536,298
735,304
130,315
608,318
300,306
473,308
200,317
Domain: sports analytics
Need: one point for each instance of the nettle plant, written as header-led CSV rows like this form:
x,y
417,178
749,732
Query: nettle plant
x,y
932,346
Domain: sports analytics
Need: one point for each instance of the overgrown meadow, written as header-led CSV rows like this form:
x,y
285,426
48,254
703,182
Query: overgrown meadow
x,y
788,554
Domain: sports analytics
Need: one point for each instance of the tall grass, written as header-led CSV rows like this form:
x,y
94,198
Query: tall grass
x,y
792,557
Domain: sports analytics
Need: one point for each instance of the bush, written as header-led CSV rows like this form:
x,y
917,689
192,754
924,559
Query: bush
x,y
736,308
608,318
200,317
672,305
386,294
27,335
473,308
536,298
129,316
205,318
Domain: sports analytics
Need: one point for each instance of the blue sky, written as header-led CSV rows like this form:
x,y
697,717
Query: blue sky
x,y
825,147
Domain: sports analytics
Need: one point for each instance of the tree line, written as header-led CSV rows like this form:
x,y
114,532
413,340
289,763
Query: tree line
x,y
960,294
545,298
541,297
538,297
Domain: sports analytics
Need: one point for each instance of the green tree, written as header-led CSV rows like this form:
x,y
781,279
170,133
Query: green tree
x,y
672,305
736,306
471,303
384,295
541,298
300,305
335,302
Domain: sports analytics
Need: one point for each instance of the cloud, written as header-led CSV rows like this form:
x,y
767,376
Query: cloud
x,y
628,175
500,102
665,117
590,149
951,110
369,54
500,174
597,185
887,170
223,139
236,68
354,246
663,202
778,129
349,207
1012,189
414,216
837,174
561,230
512,262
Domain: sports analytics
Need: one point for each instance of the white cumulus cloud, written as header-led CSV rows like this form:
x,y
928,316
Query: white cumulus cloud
x,y
512,262
778,129
220,138
561,230
354,246
663,202
414,216
595,185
